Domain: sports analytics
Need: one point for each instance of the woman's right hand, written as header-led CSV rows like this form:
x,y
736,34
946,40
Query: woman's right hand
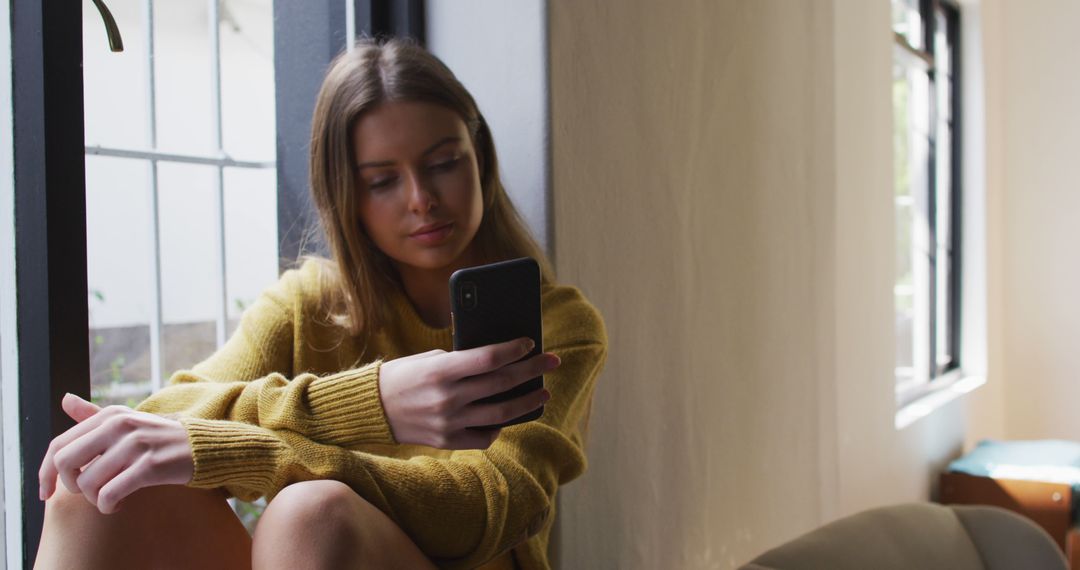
x,y
431,398
114,451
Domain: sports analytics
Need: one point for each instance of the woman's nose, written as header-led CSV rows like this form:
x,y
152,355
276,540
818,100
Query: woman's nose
x,y
421,196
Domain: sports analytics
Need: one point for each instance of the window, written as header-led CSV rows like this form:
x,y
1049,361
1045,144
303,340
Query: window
x,y
927,192
180,183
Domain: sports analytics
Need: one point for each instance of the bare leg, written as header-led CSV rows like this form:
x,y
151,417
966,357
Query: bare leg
x,y
325,524
170,526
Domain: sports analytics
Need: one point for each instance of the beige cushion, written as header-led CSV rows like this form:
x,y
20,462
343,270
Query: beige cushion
x,y
1006,540
919,535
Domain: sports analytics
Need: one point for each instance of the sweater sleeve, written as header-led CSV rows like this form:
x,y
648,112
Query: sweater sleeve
x,y
463,509
242,382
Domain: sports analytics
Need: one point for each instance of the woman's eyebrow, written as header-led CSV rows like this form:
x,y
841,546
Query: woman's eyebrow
x,y
426,152
441,142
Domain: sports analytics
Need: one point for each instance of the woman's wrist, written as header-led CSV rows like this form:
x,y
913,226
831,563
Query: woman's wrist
x,y
347,408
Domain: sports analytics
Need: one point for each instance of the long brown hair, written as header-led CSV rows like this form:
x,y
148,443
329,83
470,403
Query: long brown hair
x,y
372,73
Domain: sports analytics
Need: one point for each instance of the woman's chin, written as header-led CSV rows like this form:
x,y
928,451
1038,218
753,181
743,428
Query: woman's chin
x,y
436,261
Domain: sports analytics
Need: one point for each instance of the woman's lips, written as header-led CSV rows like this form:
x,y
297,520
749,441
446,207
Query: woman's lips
x,y
434,234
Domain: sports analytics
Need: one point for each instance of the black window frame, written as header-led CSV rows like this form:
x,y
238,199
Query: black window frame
x,y
951,11
928,11
50,235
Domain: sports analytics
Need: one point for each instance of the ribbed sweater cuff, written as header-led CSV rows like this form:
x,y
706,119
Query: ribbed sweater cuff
x,y
232,453
347,410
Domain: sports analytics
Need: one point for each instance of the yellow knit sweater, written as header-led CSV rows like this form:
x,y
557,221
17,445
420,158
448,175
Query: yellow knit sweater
x,y
291,397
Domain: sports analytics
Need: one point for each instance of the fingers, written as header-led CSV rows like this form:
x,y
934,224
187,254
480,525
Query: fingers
x,y
115,452
507,378
474,361
77,408
47,473
429,399
101,471
119,487
502,412
70,460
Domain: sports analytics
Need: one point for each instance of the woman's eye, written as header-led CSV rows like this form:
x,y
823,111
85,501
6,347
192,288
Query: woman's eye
x,y
380,183
444,165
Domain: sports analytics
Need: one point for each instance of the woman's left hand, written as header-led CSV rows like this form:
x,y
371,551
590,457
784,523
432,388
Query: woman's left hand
x,y
113,452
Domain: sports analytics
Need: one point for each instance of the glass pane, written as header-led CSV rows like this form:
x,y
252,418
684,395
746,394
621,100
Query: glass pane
x,y
904,266
118,275
942,52
185,83
943,194
943,96
911,112
919,118
903,291
247,80
114,90
901,134
250,237
183,86
907,22
944,306
189,265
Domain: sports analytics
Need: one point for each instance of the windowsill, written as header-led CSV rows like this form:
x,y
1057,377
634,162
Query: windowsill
x,y
945,390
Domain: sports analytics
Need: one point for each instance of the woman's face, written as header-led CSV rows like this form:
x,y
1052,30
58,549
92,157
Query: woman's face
x,y
418,183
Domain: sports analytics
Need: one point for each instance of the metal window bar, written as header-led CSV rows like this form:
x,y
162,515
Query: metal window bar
x,y
219,179
155,257
350,25
156,156
220,160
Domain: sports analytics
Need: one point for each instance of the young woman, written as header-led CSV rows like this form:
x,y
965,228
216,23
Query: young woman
x,y
338,397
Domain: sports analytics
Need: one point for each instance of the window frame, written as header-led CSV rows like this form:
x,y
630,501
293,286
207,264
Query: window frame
x,y
51,312
939,374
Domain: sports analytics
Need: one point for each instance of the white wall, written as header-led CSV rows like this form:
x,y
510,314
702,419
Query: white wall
x,y
693,199
118,240
722,186
498,51
1033,145
981,172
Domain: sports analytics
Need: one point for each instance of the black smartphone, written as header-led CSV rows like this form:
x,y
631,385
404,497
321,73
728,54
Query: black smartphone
x,y
495,303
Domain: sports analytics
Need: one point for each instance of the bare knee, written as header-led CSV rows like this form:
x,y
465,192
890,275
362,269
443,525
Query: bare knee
x,y
154,522
325,524
74,529
146,504
63,501
68,509
314,506
314,524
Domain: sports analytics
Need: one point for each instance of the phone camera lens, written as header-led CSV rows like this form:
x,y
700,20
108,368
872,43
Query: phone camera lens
x,y
468,296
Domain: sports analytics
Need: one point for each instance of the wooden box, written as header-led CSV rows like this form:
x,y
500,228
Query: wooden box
x,y
1048,504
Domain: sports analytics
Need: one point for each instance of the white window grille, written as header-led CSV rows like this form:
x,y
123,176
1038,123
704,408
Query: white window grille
x,y
152,157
